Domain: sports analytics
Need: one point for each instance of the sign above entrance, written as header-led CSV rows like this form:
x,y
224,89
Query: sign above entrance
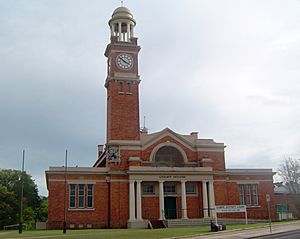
x,y
172,176
231,208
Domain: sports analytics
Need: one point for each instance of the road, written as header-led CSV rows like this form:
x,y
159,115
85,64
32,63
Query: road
x,y
284,235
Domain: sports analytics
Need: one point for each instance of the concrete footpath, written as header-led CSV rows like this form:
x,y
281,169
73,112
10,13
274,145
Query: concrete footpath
x,y
249,232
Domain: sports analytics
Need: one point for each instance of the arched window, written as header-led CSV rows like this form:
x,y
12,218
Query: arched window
x,y
168,156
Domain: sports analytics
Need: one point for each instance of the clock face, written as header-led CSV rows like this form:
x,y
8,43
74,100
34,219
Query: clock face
x,y
124,61
113,153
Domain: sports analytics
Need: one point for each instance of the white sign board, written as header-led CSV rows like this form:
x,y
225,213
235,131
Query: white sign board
x,y
268,199
230,208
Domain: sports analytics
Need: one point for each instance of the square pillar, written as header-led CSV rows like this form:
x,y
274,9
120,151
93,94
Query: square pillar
x,y
183,200
138,200
131,201
204,199
161,201
211,192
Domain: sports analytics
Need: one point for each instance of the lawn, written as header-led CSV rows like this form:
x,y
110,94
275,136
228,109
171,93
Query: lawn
x,y
120,233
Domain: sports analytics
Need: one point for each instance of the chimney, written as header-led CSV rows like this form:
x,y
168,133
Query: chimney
x,y
195,135
100,150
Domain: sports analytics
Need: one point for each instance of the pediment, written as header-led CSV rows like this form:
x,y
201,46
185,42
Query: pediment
x,y
150,139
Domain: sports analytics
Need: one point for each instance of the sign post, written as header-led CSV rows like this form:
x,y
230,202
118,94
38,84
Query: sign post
x,y
268,199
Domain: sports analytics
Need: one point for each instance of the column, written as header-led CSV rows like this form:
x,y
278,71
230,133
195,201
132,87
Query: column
x,y
120,31
128,31
132,31
205,200
211,199
113,29
131,201
138,200
161,201
183,200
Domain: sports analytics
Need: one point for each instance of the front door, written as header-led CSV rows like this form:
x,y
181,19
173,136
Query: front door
x,y
170,207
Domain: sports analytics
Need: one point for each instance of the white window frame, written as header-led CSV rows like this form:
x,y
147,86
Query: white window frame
x,y
242,194
81,195
88,195
248,195
146,187
191,185
255,194
72,195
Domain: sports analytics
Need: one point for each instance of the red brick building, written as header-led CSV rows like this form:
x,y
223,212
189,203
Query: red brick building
x,y
141,176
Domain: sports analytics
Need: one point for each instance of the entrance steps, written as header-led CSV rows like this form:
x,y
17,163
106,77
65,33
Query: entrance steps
x,y
188,222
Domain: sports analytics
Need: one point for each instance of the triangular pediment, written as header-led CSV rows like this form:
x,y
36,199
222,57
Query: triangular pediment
x,y
186,140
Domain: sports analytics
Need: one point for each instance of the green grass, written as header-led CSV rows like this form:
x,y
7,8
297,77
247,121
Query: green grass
x,y
121,233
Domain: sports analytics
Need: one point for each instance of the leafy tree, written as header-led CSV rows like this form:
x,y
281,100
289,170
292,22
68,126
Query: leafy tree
x,y
10,190
42,210
7,204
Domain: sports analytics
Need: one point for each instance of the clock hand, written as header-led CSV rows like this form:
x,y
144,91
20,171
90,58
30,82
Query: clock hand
x,y
125,61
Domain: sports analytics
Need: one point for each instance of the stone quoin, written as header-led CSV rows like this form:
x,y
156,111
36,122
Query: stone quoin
x,y
141,176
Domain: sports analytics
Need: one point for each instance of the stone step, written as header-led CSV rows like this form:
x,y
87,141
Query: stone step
x,y
187,222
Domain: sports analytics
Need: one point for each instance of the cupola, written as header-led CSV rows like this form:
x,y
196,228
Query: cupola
x,y
122,24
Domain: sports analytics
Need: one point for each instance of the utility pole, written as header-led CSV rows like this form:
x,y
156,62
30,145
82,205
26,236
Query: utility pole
x,y
21,198
268,199
65,196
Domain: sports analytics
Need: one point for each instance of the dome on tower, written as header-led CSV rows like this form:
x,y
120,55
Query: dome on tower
x,y
122,13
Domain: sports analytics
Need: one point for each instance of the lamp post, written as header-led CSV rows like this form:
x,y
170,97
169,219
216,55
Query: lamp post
x,y
21,198
65,191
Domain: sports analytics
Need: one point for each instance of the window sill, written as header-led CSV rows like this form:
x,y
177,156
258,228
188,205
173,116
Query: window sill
x,y
149,195
80,209
250,207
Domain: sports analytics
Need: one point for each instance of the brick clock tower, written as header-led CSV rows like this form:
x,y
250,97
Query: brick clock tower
x,y
122,82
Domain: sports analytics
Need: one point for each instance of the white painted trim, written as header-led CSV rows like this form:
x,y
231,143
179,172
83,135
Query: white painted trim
x,y
78,169
244,181
149,169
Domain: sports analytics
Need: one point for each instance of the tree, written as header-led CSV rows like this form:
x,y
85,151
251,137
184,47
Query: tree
x,y
7,204
10,191
42,211
289,171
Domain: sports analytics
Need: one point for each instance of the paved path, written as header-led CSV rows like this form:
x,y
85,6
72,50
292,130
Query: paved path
x,y
249,233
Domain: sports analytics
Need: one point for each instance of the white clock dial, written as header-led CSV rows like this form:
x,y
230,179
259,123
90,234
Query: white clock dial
x,y
124,61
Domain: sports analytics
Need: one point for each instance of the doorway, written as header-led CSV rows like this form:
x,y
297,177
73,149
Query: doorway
x,y
170,207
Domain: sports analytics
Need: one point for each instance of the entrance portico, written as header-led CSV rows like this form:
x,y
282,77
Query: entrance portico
x,y
162,177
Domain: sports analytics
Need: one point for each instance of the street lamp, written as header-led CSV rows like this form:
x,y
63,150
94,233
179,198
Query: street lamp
x,y
21,200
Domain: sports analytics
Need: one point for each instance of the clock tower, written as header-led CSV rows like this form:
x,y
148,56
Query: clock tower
x,y
122,82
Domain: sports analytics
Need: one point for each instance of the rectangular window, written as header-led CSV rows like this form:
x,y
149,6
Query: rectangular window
x,y
148,189
72,195
81,196
170,188
255,194
242,196
190,188
90,195
128,87
248,194
121,86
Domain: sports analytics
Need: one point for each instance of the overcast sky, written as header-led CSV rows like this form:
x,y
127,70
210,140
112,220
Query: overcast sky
x,y
227,69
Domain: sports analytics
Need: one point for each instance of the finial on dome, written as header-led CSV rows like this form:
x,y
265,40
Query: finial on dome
x,y
121,3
